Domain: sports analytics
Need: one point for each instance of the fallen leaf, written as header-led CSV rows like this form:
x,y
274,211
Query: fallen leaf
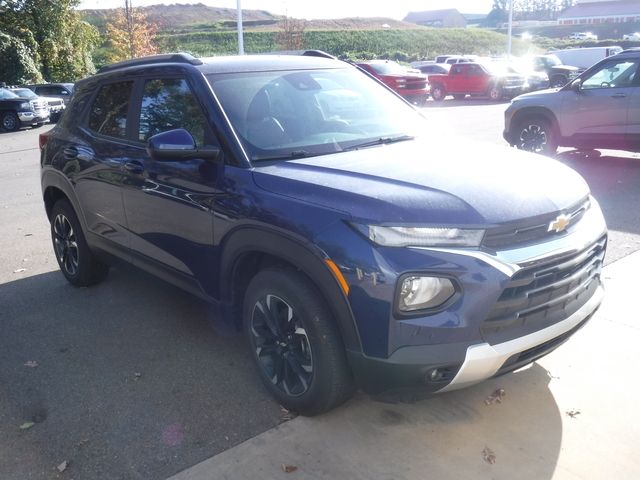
x,y
573,413
63,466
26,425
31,364
289,468
495,397
488,455
285,415
20,270
28,234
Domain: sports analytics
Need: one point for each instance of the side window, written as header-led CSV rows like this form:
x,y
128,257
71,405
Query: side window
x,y
612,75
108,115
456,70
168,104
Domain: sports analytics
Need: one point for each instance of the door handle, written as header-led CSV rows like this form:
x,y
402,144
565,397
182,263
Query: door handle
x,y
80,153
619,95
134,166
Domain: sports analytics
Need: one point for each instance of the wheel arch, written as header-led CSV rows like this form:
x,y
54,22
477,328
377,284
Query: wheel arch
x,y
56,187
539,112
249,250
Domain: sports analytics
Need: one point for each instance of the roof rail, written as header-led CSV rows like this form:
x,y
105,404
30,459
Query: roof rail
x,y
629,50
318,53
164,58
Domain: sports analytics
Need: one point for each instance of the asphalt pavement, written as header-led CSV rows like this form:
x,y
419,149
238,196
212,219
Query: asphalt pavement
x,y
134,379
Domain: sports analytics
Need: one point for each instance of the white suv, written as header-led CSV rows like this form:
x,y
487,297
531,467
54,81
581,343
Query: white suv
x,y
599,109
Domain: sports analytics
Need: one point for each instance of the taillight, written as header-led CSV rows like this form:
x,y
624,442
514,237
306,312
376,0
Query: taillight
x,y
42,140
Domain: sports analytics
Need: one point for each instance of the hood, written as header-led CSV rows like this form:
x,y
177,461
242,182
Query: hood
x,y
565,68
416,182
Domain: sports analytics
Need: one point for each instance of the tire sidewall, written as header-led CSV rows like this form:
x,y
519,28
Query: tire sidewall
x,y
547,126
321,331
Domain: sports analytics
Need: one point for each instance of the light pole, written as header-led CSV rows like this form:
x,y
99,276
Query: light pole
x,y
509,29
240,35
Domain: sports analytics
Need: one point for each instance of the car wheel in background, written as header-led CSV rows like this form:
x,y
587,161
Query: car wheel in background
x,y
495,93
295,342
558,81
76,261
10,121
537,135
438,92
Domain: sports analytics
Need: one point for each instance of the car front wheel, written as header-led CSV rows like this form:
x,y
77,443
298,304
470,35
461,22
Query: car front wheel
x,y
438,93
10,121
495,93
295,342
536,135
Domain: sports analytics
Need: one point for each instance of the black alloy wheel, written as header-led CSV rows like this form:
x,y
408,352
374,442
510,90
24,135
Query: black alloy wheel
x,y
282,345
65,244
10,121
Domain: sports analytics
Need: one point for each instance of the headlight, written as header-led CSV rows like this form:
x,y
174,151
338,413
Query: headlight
x,y
422,292
25,106
423,236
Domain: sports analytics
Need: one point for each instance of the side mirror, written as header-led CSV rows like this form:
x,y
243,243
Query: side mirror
x,y
576,85
176,145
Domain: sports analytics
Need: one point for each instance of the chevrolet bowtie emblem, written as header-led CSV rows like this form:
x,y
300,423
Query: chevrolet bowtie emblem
x,y
560,223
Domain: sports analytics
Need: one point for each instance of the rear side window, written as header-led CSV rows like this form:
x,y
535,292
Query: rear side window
x,y
168,104
108,115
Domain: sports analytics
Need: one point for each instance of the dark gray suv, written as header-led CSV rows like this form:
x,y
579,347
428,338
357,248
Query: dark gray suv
x,y
599,109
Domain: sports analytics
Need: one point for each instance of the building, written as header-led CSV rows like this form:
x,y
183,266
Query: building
x,y
449,18
594,12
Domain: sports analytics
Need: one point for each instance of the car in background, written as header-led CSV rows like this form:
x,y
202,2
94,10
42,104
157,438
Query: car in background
x,y
634,37
16,112
413,87
558,73
583,36
534,80
435,68
63,91
491,80
584,58
56,105
599,109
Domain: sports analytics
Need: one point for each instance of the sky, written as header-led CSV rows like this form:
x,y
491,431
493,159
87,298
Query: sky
x,y
311,9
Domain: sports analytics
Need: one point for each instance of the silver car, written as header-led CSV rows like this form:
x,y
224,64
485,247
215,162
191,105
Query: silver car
x,y
599,109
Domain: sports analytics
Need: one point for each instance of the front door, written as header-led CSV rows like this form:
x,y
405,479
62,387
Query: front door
x,y
169,203
633,124
598,112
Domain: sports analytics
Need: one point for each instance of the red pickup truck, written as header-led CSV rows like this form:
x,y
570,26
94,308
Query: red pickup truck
x,y
476,79
411,86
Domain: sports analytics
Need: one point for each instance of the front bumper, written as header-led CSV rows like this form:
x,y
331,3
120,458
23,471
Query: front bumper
x,y
33,118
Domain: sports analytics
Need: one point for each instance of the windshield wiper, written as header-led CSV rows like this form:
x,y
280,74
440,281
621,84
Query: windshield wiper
x,y
287,156
380,141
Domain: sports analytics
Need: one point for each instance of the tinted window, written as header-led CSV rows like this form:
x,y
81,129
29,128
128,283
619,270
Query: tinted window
x,y
168,104
108,114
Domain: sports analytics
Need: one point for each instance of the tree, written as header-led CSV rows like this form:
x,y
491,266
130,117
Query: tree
x,y
59,42
130,34
16,62
291,34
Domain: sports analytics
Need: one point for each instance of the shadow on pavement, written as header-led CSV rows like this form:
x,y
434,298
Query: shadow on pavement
x,y
134,379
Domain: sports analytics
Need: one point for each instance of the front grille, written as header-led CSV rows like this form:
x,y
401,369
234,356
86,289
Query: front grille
x,y
39,105
533,229
544,293
415,84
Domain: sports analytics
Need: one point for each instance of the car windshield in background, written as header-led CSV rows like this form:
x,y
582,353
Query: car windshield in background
x,y
551,61
388,68
5,93
24,93
290,114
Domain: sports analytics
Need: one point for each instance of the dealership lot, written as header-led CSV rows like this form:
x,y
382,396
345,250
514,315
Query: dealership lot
x,y
136,379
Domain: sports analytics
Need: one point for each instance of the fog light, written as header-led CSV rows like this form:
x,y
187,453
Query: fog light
x,y
434,375
418,293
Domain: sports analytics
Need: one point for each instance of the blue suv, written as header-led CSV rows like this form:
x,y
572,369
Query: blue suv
x,y
307,201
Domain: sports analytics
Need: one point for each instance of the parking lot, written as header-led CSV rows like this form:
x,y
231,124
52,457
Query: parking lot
x,y
134,379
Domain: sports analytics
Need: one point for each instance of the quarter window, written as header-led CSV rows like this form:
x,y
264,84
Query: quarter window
x,y
168,104
108,114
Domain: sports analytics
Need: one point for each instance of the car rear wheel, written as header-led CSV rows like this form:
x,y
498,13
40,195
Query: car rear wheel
x,y
295,342
438,93
10,121
76,261
537,135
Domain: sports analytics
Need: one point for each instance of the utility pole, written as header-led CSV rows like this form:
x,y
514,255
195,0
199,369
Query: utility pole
x,y
510,29
240,34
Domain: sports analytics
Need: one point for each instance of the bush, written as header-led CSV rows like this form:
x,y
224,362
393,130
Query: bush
x,y
16,63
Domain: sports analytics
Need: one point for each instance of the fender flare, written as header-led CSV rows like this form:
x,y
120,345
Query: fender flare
x,y
534,112
54,179
304,256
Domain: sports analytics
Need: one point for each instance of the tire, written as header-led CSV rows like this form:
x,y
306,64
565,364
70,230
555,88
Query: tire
x,y
295,342
495,93
537,135
76,261
558,81
438,93
10,121
460,97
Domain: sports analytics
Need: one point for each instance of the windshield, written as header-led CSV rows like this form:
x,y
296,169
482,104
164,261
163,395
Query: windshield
x,y
24,93
388,68
288,114
551,60
5,93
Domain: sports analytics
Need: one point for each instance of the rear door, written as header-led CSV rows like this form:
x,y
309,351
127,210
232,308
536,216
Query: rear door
x,y
599,111
169,203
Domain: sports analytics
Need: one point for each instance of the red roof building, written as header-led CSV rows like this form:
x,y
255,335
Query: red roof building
x,y
597,12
